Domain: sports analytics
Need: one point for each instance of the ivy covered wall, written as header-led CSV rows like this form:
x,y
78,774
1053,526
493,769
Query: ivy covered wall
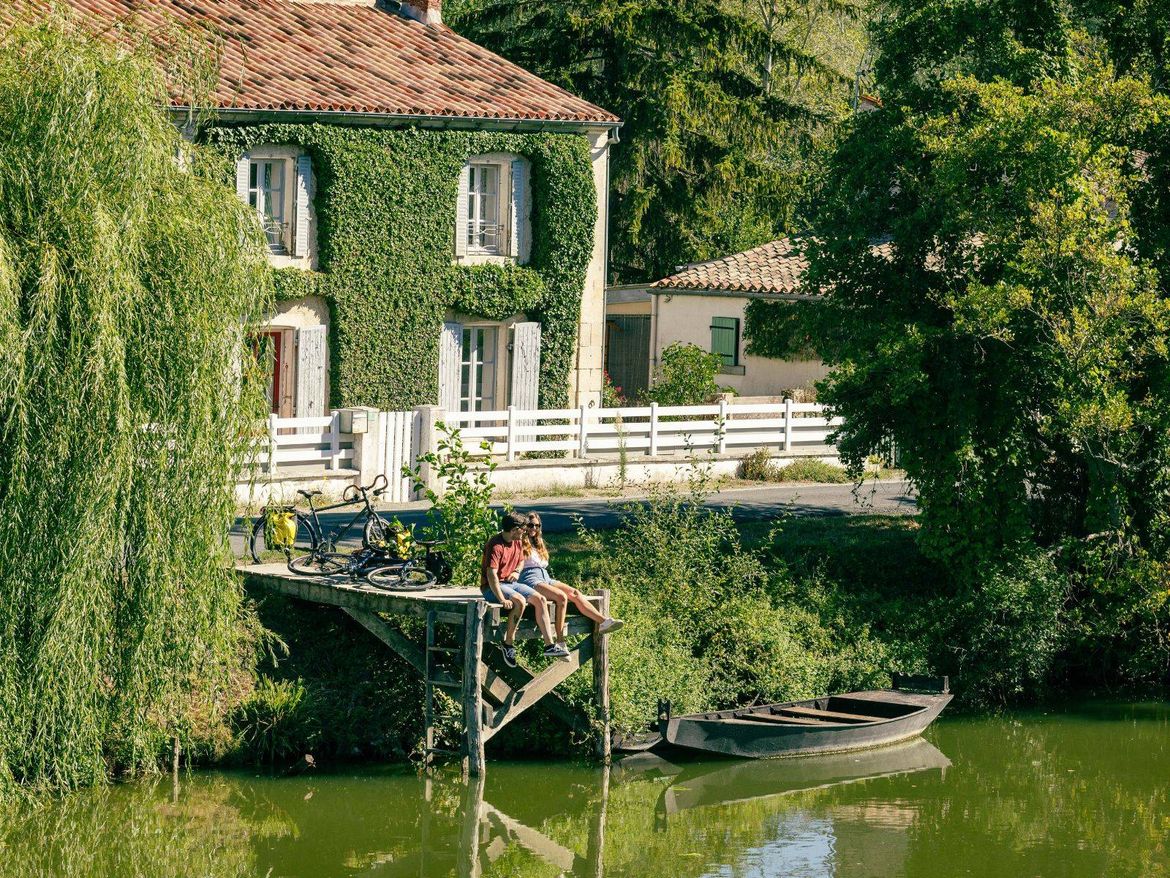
x,y
384,203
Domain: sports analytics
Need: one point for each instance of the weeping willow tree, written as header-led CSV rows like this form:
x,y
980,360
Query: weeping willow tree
x,y
129,276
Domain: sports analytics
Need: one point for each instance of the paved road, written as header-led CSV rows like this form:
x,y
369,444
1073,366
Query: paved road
x,y
746,504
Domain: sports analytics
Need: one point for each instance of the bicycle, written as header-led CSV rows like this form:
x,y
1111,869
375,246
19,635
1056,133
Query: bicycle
x,y
408,571
289,529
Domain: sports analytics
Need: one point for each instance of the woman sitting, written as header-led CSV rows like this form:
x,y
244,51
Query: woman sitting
x,y
534,573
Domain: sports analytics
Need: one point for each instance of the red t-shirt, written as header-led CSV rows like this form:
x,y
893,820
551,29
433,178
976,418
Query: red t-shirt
x,y
504,558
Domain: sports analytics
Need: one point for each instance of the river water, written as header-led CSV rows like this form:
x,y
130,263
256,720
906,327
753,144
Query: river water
x,y
1077,792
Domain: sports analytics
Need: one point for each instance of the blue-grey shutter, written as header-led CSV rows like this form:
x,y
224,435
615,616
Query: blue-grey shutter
x,y
461,213
525,365
520,211
312,351
243,178
304,205
450,363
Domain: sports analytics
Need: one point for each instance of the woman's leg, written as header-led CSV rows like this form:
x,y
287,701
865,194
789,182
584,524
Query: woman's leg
x,y
584,607
560,603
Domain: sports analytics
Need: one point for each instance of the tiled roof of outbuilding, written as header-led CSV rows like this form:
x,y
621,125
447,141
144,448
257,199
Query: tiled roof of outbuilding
x,y
316,57
776,267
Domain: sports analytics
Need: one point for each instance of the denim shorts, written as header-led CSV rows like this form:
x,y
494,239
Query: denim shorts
x,y
533,576
510,590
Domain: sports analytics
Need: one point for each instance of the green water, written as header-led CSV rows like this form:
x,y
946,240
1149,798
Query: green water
x,y
1070,794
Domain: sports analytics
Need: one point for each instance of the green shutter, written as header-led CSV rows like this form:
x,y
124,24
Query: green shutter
x,y
725,339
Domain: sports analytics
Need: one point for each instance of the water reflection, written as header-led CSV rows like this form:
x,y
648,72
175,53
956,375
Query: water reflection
x,y
1077,795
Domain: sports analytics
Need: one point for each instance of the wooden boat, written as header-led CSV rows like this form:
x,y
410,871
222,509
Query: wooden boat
x,y
830,724
722,782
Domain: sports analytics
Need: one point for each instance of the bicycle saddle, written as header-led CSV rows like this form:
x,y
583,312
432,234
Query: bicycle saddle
x,y
308,494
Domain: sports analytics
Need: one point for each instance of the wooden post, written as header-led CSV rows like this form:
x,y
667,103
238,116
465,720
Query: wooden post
x,y
468,862
596,850
653,429
721,427
272,463
601,681
582,432
510,452
472,699
787,425
335,441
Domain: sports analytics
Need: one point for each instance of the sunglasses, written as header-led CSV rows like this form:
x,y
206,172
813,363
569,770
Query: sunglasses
x,y
532,526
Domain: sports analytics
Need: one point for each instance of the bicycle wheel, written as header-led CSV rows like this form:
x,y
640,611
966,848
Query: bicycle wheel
x,y
376,533
320,564
306,540
401,577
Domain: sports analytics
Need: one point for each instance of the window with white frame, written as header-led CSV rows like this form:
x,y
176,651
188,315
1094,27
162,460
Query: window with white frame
x,y
270,195
277,183
493,210
477,372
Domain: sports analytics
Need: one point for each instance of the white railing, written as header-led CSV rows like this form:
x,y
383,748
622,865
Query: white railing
x,y
653,430
307,442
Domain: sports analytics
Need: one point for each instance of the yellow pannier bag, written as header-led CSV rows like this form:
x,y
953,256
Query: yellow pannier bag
x,y
282,530
404,542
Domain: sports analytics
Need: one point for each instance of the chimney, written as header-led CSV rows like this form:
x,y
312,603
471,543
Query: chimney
x,y
426,11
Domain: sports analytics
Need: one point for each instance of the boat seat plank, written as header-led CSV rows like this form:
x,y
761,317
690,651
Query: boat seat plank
x,y
783,720
832,714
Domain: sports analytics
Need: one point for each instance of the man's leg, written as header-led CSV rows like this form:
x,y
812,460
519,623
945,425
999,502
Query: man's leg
x,y
514,619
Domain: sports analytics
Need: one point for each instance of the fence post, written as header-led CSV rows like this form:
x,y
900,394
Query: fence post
x,y
582,432
787,425
653,429
428,417
272,463
334,439
510,451
721,427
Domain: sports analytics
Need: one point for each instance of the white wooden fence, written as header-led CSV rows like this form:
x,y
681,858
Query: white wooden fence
x,y
398,447
308,442
652,429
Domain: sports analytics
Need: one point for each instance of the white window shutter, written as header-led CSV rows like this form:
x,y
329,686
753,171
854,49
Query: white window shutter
x,y
312,353
526,366
450,363
243,178
520,211
461,212
304,205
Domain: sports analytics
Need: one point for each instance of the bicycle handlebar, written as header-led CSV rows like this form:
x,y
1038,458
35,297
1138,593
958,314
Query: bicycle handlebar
x,y
380,484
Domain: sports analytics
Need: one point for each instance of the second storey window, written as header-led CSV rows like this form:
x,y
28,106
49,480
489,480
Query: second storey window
x,y
492,211
268,193
484,223
277,183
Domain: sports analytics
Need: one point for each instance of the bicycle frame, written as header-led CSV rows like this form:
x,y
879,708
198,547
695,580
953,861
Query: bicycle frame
x,y
365,513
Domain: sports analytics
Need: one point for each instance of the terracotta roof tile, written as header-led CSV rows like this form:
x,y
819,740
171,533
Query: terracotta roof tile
x,y
775,267
314,57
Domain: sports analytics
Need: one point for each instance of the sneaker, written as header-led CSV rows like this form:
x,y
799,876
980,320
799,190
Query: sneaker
x,y
509,652
609,626
557,651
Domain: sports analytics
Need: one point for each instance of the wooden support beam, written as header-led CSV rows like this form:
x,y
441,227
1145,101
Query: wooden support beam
x,y
538,687
552,703
472,702
601,683
536,842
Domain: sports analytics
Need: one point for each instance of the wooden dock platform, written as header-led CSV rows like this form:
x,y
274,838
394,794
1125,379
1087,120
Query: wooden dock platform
x,y
491,693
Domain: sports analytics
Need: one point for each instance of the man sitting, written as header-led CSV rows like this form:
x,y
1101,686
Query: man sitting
x,y
502,558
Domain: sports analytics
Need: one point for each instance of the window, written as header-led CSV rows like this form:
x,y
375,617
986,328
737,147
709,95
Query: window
x,y
270,195
477,373
492,214
484,224
725,339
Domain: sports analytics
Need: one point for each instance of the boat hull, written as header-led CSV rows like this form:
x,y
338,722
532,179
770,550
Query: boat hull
x,y
897,716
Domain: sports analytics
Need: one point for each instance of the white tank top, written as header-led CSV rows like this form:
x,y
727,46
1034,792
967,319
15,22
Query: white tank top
x,y
534,560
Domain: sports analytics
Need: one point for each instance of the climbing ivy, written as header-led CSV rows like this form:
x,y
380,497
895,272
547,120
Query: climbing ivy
x,y
385,210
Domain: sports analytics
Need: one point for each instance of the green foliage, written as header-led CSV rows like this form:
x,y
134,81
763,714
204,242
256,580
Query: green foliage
x,y
276,722
126,286
1010,333
758,467
686,376
461,517
611,394
724,108
385,210
709,624
779,330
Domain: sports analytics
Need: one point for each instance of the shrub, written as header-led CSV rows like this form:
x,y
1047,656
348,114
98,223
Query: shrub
x,y
611,395
461,517
758,467
686,376
276,722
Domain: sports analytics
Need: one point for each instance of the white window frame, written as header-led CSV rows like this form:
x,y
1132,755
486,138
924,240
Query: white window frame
x,y
292,253
258,197
510,244
476,369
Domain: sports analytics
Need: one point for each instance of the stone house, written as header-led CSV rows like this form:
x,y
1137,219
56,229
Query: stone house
x,y
436,216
